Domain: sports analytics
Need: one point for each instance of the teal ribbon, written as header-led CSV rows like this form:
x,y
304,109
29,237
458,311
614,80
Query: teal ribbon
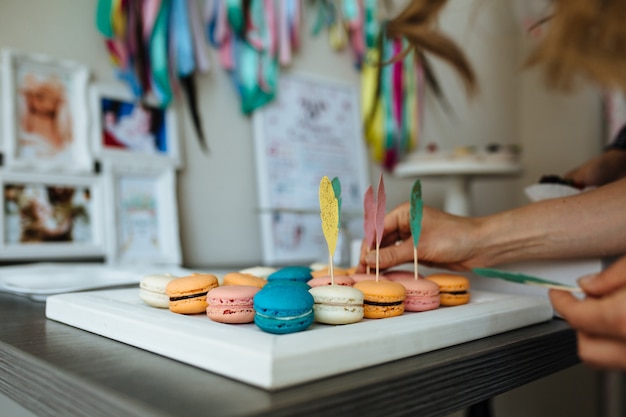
x,y
103,18
183,40
320,18
350,10
390,131
158,55
254,65
371,25
236,16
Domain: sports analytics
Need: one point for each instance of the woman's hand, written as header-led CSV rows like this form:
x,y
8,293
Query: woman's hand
x,y
446,241
599,319
604,168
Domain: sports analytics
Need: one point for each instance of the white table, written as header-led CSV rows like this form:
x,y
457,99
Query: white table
x,y
458,172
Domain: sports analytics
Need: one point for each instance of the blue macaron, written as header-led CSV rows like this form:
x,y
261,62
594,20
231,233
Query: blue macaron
x,y
291,273
282,309
298,283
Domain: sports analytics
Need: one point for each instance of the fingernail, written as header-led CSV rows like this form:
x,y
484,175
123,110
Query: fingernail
x,y
370,258
587,279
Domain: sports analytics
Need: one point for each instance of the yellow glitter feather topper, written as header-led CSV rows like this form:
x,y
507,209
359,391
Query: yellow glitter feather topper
x,y
329,213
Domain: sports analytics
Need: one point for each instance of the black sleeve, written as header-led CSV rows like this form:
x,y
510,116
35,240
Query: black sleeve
x,y
620,140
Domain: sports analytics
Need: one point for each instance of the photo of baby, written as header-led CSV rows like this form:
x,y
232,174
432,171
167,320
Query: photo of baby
x,y
37,213
44,116
135,127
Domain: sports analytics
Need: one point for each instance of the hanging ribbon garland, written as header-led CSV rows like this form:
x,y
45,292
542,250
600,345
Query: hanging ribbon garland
x,y
254,38
391,94
392,101
156,47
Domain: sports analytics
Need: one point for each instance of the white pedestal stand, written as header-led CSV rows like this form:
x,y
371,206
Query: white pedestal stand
x,y
458,173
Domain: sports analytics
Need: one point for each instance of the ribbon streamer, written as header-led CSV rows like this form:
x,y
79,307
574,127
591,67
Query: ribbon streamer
x,y
154,45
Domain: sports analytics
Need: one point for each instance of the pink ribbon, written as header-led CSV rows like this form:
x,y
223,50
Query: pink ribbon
x,y
283,34
150,11
202,59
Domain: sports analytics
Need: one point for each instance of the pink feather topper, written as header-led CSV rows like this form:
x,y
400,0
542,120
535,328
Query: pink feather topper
x,y
381,202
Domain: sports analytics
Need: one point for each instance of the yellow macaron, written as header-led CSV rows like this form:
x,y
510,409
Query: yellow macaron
x,y
454,289
239,278
188,294
382,298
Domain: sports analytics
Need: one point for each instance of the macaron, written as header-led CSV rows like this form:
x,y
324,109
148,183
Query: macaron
x,y
367,277
187,295
291,273
152,290
382,298
398,274
351,270
421,294
335,304
231,304
342,280
453,288
259,271
240,278
326,271
303,285
283,308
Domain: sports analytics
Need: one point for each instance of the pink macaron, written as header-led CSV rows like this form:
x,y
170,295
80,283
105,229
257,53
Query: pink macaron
x,y
343,280
397,274
231,304
420,294
367,277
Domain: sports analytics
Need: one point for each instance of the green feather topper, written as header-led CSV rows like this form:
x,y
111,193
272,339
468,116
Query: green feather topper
x,y
417,208
337,190
524,279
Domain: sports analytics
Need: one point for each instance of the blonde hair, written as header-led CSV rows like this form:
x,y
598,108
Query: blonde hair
x,y
584,39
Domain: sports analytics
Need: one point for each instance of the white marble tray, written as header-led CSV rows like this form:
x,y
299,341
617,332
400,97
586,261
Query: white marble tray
x,y
245,353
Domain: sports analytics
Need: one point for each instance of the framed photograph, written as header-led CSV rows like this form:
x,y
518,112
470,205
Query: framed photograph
x,y
45,113
311,130
46,216
126,129
141,215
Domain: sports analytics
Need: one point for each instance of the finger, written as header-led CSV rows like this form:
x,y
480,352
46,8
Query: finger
x,y
595,316
607,281
391,255
397,225
601,352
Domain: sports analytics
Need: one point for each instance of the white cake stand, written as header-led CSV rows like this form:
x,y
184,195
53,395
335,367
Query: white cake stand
x,y
458,173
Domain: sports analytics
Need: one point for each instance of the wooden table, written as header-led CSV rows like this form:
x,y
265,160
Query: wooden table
x,y
53,369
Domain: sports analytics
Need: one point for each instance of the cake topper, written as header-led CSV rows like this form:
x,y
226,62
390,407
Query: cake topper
x,y
337,190
417,208
329,214
381,202
524,279
369,220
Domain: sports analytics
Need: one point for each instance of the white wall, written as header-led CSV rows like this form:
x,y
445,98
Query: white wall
x,y
217,195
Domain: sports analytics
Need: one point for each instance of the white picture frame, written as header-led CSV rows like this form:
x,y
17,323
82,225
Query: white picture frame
x,y
124,129
45,113
142,215
49,216
312,129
